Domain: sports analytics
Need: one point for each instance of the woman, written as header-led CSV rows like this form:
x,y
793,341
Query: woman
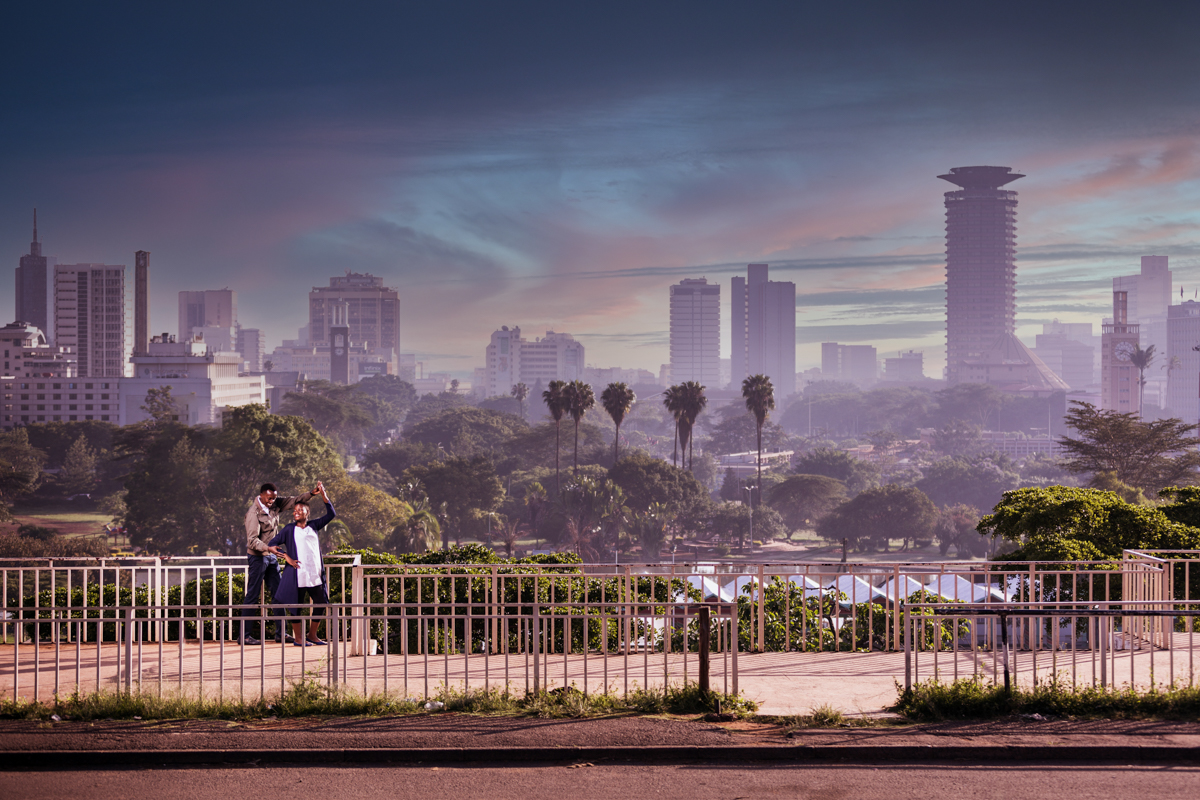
x,y
305,577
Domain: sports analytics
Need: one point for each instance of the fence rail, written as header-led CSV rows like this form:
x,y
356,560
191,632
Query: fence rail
x,y
1074,642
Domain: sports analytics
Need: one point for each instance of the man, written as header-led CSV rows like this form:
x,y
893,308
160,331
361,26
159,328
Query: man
x,y
305,578
262,524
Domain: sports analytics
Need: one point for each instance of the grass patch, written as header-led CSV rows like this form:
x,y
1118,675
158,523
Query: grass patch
x,y
311,698
975,699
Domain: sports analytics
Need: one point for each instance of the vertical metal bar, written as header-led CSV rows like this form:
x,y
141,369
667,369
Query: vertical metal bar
x,y
704,647
536,634
762,610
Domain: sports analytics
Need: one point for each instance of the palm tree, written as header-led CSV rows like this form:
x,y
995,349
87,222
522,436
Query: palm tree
x,y
1142,359
673,402
692,401
617,399
579,400
760,400
520,391
556,403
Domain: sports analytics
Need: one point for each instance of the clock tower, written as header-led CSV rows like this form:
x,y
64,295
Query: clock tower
x,y
1119,377
339,345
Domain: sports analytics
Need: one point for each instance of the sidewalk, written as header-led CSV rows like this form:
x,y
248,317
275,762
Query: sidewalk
x,y
477,739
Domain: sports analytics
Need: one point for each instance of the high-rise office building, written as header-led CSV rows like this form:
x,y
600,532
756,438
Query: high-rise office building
x,y
696,332
1118,376
213,308
509,359
1066,348
34,294
981,270
91,318
373,312
1183,332
853,363
339,345
252,344
762,321
905,367
141,302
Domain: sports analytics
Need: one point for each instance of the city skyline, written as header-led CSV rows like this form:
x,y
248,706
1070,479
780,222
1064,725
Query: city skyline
x,y
510,169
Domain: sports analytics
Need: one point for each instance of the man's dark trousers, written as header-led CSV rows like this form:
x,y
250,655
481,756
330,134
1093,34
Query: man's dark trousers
x,y
262,569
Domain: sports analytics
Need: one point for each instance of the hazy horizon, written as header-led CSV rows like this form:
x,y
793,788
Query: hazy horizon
x,y
555,167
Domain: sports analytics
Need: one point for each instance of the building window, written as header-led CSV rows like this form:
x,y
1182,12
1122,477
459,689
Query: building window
x,y
87,408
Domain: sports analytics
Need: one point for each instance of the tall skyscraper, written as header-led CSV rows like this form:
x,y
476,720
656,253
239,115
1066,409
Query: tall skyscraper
x,y
374,312
141,303
214,308
981,270
34,287
853,363
91,318
762,320
1183,332
696,332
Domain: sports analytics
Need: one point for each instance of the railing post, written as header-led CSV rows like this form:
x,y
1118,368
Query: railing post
x,y
762,610
734,649
129,649
537,646
903,617
705,622
357,620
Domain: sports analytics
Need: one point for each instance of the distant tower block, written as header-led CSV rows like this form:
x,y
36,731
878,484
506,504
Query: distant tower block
x,y
981,270
141,303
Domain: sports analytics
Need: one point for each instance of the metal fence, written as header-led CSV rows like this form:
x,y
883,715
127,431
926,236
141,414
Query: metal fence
x,y
155,622
429,648
1062,642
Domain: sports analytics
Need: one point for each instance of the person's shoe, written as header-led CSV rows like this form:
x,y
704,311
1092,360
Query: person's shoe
x,y
287,637
302,644
316,641
250,640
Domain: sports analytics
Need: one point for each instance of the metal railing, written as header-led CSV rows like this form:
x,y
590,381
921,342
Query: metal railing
x,y
1093,643
425,647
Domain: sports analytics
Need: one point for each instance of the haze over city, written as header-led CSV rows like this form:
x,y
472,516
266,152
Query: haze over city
x,y
557,167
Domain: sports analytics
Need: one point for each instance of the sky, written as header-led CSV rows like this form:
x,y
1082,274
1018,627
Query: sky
x,y
558,165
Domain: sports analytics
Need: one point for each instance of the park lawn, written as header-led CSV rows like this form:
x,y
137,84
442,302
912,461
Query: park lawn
x,y
68,523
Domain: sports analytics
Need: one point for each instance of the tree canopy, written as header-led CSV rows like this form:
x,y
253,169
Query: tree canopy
x,y
1148,454
875,516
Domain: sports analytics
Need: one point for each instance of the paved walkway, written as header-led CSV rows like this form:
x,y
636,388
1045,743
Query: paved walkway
x,y
782,683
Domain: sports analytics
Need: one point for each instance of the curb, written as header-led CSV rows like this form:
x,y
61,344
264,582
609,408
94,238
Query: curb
x,y
801,754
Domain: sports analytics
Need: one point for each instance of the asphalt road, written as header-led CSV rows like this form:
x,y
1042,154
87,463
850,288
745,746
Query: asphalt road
x,y
684,781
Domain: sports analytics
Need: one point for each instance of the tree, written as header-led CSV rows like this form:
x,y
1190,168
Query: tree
x,y
649,529
20,469
1071,523
739,434
332,414
956,438
647,480
369,513
855,473
379,478
579,400
760,399
160,406
556,404
956,527
876,516
520,391
395,457
673,402
802,500
417,533
78,475
977,482
975,402
468,431
1141,359
1147,455
617,399
464,485
692,401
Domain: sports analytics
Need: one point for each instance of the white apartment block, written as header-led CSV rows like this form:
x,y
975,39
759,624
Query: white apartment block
x,y
91,318
696,332
510,360
203,382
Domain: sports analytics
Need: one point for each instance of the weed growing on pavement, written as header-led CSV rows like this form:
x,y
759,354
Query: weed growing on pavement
x,y
309,697
974,698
